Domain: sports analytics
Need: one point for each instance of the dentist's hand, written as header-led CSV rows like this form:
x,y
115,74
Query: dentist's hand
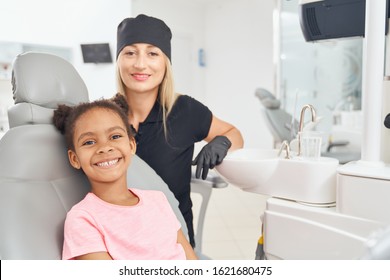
x,y
211,155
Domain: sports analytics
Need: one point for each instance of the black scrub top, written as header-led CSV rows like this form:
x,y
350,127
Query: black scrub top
x,y
171,155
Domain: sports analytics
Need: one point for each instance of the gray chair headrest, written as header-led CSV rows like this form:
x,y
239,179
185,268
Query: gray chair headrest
x,y
40,82
46,80
267,99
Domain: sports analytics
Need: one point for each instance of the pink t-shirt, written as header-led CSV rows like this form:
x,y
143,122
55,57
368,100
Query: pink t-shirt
x,y
146,231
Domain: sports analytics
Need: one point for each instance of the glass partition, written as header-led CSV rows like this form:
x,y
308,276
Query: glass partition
x,y
326,74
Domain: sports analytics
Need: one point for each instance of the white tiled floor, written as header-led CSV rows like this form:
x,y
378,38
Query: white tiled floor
x,y
232,224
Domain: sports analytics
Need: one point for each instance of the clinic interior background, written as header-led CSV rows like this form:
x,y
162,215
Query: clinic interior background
x,y
235,36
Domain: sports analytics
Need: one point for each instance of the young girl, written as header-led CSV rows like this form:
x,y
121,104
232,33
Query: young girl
x,y
113,221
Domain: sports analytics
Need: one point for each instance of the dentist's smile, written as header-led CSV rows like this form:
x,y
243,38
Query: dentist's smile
x,y
140,77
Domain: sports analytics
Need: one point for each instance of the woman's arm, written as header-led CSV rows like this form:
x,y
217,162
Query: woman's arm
x,y
220,127
95,256
190,254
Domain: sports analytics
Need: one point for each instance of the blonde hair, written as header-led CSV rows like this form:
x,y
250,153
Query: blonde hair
x,y
167,94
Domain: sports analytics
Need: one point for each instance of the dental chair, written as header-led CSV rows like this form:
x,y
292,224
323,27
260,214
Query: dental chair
x,y
37,184
279,122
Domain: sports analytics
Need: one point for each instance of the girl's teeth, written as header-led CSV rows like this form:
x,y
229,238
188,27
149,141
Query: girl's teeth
x,y
107,163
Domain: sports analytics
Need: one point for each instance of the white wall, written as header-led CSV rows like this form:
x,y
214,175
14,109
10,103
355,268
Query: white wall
x,y
239,45
68,24
237,38
235,34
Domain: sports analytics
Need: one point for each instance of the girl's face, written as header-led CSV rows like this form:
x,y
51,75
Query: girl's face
x,y
142,68
102,147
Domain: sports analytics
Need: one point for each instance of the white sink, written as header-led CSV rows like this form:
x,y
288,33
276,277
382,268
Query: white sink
x,y
262,171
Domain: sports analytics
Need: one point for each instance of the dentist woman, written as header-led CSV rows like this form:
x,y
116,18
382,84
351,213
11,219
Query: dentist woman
x,y
167,124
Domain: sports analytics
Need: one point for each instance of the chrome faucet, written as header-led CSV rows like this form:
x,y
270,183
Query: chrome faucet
x,y
301,122
285,146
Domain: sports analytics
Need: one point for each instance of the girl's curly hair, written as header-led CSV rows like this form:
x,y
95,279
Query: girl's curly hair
x,y
65,117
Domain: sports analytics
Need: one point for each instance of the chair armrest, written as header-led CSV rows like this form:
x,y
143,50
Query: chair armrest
x,y
204,189
340,143
213,180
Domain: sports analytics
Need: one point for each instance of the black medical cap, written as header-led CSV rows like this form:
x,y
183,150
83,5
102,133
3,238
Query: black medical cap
x,y
144,29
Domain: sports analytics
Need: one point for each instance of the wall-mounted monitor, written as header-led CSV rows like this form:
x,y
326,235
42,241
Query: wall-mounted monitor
x,y
96,53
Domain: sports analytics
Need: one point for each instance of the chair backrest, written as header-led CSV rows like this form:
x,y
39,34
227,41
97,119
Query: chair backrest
x,y
37,184
278,120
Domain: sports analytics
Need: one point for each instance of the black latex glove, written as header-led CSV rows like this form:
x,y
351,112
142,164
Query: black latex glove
x,y
211,155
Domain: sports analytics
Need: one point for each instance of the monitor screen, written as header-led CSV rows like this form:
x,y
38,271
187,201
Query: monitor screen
x,y
96,53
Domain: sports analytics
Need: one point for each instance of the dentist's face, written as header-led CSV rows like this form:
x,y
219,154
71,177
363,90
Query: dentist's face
x,y
142,68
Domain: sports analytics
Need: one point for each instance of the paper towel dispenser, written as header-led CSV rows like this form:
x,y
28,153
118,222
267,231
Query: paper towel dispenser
x,y
330,19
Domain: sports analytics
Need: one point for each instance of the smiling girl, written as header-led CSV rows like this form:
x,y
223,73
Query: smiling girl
x,y
113,221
